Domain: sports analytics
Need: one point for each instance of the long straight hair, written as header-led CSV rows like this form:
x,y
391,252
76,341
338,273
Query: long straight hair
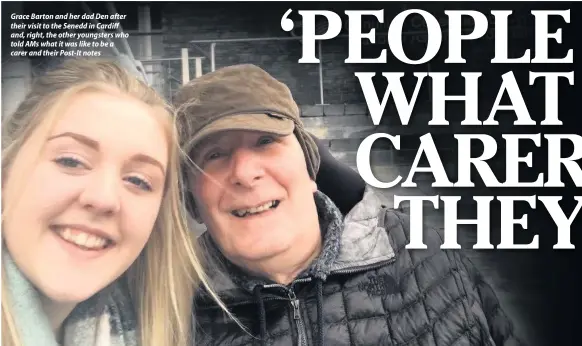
x,y
163,280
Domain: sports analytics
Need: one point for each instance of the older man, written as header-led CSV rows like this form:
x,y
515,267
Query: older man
x,y
289,267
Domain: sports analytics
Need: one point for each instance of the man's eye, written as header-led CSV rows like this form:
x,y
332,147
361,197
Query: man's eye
x,y
213,155
266,140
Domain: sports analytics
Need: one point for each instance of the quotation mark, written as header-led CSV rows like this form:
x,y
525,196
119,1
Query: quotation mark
x,y
286,22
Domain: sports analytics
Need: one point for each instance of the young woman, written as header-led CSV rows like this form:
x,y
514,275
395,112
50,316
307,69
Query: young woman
x,y
96,250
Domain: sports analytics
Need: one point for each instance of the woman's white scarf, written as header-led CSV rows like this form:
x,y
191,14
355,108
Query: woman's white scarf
x,y
106,319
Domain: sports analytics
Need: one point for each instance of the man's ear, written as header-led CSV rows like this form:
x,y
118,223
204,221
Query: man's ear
x,y
191,207
190,201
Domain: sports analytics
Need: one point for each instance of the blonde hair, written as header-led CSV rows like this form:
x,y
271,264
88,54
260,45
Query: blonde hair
x,y
163,280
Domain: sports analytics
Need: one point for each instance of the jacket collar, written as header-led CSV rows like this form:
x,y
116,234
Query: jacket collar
x,y
364,240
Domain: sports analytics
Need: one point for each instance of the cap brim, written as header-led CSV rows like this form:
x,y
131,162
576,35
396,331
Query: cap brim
x,y
278,125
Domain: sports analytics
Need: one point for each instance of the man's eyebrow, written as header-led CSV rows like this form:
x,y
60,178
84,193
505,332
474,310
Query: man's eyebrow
x,y
148,159
79,138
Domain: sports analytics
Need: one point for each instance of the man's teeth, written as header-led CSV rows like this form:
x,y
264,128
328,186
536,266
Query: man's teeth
x,y
82,239
255,210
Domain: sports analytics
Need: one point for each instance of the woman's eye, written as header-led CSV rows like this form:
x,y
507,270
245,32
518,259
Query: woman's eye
x,y
69,162
140,183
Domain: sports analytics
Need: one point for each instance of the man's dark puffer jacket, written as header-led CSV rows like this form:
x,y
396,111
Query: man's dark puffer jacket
x,y
366,288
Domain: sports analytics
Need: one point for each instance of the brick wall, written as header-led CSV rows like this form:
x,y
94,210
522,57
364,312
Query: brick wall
x,y
183,22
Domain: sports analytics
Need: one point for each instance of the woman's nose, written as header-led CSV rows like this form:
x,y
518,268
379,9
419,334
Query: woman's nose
x,y
102,193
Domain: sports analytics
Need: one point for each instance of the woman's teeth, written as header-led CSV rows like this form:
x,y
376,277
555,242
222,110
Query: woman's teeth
x,y
255,210
82,239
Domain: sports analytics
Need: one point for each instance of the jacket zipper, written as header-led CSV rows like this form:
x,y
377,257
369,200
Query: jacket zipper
x,y
296,306
302,339
362,268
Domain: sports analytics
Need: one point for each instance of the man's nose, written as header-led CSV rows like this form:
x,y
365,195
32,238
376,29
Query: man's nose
x,y
102,193
246,168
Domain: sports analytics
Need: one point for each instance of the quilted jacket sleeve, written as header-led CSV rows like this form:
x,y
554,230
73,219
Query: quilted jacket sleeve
x,y
500,325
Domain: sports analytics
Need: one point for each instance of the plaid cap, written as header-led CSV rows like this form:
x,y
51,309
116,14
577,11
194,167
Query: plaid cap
x,y
240,97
